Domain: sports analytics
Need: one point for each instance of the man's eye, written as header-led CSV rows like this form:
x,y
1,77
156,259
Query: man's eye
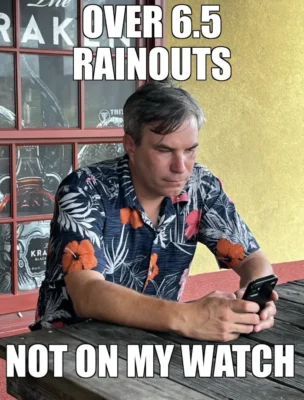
x,y
164,150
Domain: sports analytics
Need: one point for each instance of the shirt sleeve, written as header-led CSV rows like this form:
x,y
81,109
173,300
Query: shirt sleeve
x,y
76,237
223,230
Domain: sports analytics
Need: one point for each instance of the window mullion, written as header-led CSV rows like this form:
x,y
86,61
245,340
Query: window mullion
x,y
14,248
18,67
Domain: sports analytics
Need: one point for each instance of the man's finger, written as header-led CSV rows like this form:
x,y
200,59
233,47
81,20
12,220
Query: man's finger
x,y
244,306
229,337
274,296
240,293
222,295
264,325
246,319
269,311
244,329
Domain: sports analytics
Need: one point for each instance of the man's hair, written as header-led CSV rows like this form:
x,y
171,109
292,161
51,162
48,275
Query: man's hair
x,y
163,105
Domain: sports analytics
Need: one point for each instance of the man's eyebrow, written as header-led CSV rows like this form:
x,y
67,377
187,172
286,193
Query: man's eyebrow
x,y
165,147
193,147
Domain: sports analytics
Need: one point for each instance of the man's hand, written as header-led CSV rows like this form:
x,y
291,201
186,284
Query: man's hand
x,y
266,315
219,317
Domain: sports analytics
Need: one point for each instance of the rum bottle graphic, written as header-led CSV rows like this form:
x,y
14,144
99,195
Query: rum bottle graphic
x,y
32,197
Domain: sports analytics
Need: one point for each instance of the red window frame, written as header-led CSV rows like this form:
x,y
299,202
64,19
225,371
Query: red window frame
x,y
24,301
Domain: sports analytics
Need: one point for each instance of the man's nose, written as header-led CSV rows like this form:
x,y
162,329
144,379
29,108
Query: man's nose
x,y
178,164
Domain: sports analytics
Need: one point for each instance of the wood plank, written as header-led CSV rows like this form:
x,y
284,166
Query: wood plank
x,y
291,292
282,333
30,388
270,387
235,388
295,284
73,387
296,382
100,333
299,281
292,313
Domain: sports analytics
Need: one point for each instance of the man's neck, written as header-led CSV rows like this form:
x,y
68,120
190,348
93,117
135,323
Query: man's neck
x,y
151,204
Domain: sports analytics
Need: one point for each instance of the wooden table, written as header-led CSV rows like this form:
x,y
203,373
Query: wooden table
x,y
289,329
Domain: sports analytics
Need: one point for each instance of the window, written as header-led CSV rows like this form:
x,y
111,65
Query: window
x,y
49,125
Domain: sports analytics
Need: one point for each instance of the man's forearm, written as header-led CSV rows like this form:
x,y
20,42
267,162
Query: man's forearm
x,y
114,303
255,266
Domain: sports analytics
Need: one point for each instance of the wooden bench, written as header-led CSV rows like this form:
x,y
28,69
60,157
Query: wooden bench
x,y
288,330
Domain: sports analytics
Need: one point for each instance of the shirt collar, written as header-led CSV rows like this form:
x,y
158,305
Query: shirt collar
x,y
127,196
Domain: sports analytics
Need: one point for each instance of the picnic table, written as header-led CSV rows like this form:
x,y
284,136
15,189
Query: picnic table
x,y
288,330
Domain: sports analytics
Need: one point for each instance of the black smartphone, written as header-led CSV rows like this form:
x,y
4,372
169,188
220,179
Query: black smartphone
x,y
260,290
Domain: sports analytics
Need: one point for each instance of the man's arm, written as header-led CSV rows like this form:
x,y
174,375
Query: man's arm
x,y
94,297
252,267
228,237
218,316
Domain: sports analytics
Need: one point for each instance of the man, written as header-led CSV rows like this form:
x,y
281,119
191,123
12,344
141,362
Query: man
x,y
125,231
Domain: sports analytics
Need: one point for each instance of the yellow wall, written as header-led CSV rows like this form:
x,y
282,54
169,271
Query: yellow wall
x,y
253,139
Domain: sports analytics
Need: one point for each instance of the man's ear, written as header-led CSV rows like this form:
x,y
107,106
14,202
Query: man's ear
x,y
129,145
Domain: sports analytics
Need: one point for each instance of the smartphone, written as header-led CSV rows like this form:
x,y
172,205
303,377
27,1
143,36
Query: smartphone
x,y
260,290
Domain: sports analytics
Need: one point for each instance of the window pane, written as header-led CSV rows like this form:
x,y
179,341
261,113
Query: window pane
x,y
5,259
40,169
5,185
50,25
49,94
92,153
104,101
7,92
6,22
32,251
104,41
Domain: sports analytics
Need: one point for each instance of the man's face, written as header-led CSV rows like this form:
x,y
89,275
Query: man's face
x,y
162,164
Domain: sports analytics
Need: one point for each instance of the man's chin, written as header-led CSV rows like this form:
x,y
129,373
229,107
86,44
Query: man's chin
x,y
173,192
171,189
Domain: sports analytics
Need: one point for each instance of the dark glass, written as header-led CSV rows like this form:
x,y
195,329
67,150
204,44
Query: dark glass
x,y
48,24
7,23
104,101
5,259
7,92
104,41
49,93
40,170
92,153
5,183
33,240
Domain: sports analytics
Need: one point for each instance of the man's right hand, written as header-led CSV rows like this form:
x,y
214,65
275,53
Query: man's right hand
x,y
218,316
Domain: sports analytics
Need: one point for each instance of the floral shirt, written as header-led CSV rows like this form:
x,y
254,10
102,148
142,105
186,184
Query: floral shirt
x,y
98,224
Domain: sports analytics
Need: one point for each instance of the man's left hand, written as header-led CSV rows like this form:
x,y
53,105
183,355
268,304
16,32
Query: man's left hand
x,y
266,315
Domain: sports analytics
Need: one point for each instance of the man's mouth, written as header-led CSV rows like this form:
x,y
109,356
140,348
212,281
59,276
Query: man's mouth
x,y
174,183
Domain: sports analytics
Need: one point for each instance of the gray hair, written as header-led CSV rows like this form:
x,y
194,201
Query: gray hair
x,y
163,105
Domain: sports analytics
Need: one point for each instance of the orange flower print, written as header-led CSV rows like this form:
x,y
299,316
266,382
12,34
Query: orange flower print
x,y
230,253
133,217
153,269
193,220
78,256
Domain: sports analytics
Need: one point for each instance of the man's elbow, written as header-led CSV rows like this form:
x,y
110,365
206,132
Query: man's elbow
x,y
80,308
82,294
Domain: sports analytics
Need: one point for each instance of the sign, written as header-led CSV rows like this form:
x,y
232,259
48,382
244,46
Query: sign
x,y
55,27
